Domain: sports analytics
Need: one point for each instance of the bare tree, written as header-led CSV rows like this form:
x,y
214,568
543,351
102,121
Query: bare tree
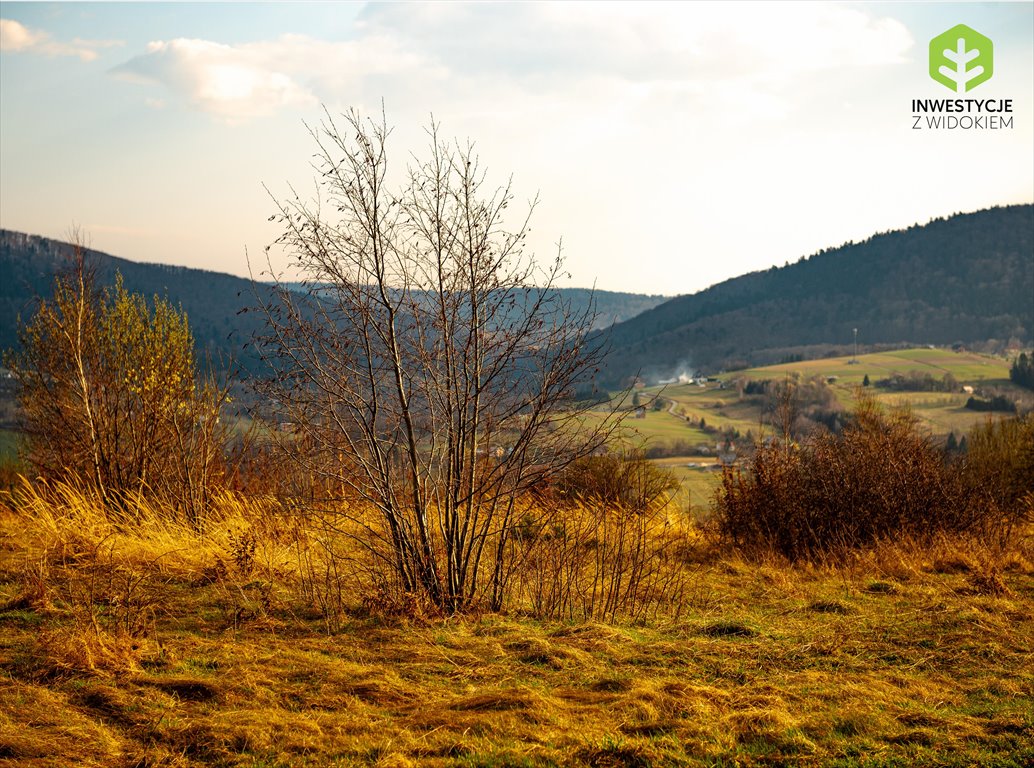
x,y
428,364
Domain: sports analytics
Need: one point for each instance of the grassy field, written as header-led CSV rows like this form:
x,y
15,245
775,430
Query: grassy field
x,y
698,479
967,367
899,657
721,408
656,427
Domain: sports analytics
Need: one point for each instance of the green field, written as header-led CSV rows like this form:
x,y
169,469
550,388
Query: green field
x,y
940,412
721,407
698,482
656,426
967,367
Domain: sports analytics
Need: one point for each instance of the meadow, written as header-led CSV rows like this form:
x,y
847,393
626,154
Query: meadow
x,y
154,645
938,412
718,403
172,594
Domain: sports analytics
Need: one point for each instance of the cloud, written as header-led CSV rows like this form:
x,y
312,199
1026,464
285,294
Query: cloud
x,y
234,83
455,53
17,38
698,52
641,41
239,82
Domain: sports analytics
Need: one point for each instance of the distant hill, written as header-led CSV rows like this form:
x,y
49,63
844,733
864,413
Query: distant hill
x,y
212,300
609,306
965,278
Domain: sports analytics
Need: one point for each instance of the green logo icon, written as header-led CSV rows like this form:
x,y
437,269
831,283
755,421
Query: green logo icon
x,y
961,58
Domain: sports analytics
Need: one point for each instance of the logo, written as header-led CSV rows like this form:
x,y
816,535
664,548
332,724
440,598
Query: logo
x,y
961,58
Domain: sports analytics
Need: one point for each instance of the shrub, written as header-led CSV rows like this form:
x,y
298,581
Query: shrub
x,y
996,403
597,561
880,478
610,548
111,394
627,480
1000,466
427,364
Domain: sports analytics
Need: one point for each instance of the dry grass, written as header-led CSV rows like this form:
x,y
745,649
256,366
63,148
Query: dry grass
x,y
126,643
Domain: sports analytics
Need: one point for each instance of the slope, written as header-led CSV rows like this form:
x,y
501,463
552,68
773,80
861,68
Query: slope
x,y
212,300
965,278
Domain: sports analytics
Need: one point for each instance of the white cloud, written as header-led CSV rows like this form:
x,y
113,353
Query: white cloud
x,y
454,50
17,38
238,82
642,41
233,83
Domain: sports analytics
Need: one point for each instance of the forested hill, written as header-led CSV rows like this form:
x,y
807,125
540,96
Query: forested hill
x,y
966,278
211,299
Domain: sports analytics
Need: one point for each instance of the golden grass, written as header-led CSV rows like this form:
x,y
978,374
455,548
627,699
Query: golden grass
x,y
122,643
144,533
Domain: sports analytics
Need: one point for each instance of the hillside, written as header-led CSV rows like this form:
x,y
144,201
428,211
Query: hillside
x,y
726,406
609,307
211,300
966,278
671,432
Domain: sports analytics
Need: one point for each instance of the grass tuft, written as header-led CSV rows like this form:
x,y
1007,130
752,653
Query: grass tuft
x,y
728,629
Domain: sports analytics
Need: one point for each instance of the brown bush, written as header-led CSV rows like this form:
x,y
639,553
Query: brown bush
x,y
999,466
597,561
879,479
628,480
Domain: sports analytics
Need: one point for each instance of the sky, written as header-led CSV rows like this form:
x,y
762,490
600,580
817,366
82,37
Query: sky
x,y
671,146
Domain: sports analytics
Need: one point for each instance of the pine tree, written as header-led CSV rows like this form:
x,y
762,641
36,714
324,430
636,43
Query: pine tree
x,y
1022,371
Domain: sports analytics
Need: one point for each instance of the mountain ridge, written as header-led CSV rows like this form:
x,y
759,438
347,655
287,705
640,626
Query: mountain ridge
x,y
957,279
213,301
962,278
